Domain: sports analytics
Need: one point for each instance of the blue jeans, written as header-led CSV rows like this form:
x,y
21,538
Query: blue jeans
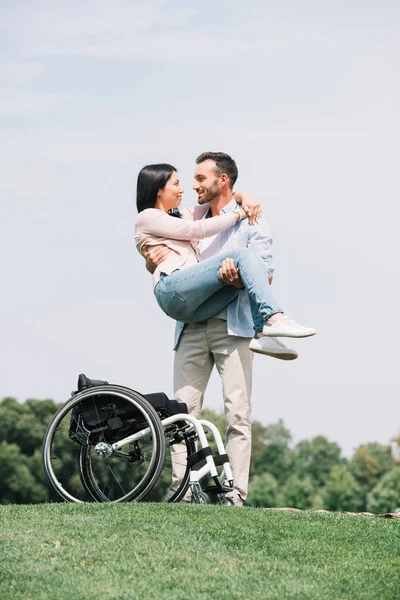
x,y
198,293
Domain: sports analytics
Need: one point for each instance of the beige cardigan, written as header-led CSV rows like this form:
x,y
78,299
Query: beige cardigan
x,y
154,227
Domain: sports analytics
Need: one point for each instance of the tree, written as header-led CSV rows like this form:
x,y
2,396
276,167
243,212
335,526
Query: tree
x,y
298,493
315,458
385,497
17,483
342,492
25,423
258,442
370,462
263,491
22,428
273,454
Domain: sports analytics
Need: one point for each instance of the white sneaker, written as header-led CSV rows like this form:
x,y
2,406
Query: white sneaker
x,y
272,347
286,327
234,499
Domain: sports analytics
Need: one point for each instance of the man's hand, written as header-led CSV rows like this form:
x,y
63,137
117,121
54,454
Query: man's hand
x,y
230,274
251,207
154,255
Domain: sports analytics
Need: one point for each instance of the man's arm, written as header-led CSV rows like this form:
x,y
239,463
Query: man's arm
x,y
230,274
154,255
260,242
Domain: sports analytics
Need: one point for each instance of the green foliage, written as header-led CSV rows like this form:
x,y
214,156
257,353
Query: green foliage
x,y
312,475
385,497
271,452
258,441
298,493
25,423
342,492
316,457
17,482
370,462
22,427
263,491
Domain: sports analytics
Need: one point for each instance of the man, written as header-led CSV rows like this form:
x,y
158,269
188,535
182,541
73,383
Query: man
x,y
223,341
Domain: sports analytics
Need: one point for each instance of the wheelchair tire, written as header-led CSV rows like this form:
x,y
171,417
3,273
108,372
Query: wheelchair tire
x,y
78,473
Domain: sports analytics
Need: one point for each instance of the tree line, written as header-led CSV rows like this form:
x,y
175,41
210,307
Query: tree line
x,y
312,474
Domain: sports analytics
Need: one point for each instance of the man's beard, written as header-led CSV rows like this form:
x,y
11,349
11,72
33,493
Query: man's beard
x,y
211,193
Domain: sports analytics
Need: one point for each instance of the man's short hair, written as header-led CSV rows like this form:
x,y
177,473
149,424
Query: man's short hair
x,y
224,164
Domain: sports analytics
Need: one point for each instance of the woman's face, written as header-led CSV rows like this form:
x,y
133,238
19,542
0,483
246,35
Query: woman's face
x,y
170,196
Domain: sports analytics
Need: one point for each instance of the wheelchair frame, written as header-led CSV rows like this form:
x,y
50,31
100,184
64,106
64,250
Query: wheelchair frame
x,y
96,456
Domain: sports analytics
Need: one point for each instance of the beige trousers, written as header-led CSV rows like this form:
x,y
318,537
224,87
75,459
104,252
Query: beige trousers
x,y
203,345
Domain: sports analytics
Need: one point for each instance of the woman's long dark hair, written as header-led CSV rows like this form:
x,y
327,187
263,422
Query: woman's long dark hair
x,y
151,179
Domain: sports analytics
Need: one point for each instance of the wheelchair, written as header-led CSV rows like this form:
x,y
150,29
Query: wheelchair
x,y
109,443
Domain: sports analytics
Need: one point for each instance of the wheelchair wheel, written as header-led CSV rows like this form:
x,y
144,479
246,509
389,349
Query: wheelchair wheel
x,y
161,489
78,455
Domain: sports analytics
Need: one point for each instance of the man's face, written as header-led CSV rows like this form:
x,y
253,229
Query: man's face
x,y
206,183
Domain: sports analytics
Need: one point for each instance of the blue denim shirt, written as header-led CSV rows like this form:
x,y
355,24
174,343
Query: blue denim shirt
x,y
242,235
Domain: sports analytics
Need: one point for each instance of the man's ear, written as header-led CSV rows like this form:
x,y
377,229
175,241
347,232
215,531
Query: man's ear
x,y
224,179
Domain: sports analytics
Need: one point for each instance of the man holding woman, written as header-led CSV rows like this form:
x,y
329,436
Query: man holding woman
x,y
224,339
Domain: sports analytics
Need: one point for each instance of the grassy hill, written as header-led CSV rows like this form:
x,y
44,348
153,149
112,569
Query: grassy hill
x,y
142,551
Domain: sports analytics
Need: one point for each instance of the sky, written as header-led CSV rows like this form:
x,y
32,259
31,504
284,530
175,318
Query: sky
x,y
304,96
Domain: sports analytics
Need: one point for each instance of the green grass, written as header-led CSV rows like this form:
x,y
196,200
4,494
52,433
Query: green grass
x,y
157,551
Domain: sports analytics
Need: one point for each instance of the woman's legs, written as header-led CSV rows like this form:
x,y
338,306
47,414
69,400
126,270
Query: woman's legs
x,y
198,292
213,305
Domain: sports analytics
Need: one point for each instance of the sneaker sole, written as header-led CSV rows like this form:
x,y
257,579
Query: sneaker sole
x,y
285,334
283,356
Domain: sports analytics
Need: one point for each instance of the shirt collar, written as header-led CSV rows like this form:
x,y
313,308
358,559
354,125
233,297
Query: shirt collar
x,y
227,208
230,206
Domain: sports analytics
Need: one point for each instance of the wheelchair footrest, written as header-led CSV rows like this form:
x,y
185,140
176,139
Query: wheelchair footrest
x,y
217,489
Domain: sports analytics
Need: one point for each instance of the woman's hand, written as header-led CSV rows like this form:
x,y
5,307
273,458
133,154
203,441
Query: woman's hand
x,y
251,207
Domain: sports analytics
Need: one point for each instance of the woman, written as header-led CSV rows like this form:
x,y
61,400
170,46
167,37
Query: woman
x,y
186,289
